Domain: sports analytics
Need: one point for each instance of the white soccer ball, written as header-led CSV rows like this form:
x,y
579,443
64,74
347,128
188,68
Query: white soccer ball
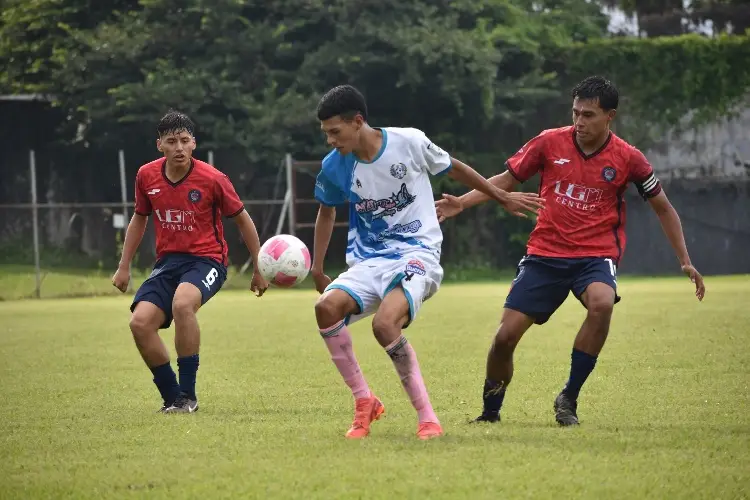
x,y
284,260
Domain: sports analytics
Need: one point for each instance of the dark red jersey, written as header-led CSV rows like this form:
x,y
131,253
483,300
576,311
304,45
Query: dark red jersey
x,y
187,213
585,210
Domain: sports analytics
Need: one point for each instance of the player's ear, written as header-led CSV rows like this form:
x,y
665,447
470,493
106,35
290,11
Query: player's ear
x,y
158,145
612,113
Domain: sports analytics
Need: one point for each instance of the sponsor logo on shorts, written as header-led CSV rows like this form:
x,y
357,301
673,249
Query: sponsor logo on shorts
x,y
415,267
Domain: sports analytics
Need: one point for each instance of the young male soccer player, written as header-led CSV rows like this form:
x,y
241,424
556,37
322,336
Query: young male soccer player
x,y
393,250
188,198
578,240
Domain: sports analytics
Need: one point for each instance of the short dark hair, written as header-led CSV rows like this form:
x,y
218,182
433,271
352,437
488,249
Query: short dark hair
x,y
345,101
175,121
598,87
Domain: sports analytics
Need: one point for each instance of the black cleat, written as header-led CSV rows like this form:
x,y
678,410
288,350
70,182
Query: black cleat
x,y
565,410
183,404
489,419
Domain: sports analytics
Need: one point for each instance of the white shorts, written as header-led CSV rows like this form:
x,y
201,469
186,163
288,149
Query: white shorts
x,y
369,281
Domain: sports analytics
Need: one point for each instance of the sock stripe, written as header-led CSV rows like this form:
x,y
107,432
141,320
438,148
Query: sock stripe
x,y
398,344
332,331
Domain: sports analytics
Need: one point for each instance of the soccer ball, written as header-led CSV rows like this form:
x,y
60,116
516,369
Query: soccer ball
x,y
284,260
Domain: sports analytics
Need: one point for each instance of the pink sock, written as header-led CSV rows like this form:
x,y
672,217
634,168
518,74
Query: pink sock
x,y
405,360
339,343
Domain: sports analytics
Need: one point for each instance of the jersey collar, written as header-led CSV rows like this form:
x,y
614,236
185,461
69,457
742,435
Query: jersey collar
x,y
175,184
380,152
595,153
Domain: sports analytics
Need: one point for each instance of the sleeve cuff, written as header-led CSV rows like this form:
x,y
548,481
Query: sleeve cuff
x,y
238,212
445,170
510,169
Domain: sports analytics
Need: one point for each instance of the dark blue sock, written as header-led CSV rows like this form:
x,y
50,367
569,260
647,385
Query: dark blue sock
x,y
493,395
188,367
581,365
166,382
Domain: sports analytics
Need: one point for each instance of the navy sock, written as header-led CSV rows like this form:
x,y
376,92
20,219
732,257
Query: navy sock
x,y
166,382
493,395
581,365
188,367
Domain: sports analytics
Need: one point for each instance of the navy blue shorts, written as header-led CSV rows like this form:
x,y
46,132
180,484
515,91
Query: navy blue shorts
x,y
542,283
171,270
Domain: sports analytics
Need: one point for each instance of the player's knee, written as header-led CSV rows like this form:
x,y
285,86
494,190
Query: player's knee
x,y
183,306
140,325
385,329
506,338
327,312
600,304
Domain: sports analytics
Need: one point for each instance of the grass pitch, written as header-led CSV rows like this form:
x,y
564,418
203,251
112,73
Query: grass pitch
x,y
664,415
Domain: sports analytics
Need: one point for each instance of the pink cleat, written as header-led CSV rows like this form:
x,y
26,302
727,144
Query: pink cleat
x,y
429,430
366,411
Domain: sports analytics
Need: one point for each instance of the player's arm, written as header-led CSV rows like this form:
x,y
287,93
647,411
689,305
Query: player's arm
x,y
651,190
231,205
521,166
324,223
249,235
133,235
329,195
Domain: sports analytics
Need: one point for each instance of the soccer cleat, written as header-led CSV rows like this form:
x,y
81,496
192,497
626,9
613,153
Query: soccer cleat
x,y
489,419
429,430
183,404
565,410
366,411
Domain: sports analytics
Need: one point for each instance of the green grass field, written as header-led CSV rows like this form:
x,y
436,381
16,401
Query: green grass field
x,y
664,415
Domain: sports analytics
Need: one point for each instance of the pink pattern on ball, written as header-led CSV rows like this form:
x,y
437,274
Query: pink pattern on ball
x,y
276,248
306,254
284,280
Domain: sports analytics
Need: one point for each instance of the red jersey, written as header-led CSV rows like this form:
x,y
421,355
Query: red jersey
x,y
187,212
585,211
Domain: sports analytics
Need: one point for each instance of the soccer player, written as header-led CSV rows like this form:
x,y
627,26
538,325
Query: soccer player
x,y
578,240
188,198
393,250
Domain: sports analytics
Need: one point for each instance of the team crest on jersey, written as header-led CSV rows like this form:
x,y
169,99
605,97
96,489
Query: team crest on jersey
x,y
415,267
194,195
398,170
608,174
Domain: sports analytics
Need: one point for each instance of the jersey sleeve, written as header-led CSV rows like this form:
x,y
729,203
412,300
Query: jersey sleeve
x,y
229,201
142,203
327,192
642,175
434,159
528,160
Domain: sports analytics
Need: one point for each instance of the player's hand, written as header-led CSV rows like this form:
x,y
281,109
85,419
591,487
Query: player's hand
x,y
258,285
517,202
448,207
321,280
695,277
121,279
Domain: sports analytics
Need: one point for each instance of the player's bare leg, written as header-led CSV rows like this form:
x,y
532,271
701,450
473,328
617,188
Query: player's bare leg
x,y
330,310
144,324
500,362
187,339
387,324
599,299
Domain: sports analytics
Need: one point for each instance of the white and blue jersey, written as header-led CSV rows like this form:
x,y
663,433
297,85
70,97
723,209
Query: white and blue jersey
x,y
391,205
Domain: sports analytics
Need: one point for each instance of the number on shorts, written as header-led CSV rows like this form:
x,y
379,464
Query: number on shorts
x,y
210,278
612,268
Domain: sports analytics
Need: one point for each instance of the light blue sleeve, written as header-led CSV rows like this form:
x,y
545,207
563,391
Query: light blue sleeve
x,y
327,192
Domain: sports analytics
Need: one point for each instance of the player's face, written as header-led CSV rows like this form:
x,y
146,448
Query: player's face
x,y
342,134
590,120
177,147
